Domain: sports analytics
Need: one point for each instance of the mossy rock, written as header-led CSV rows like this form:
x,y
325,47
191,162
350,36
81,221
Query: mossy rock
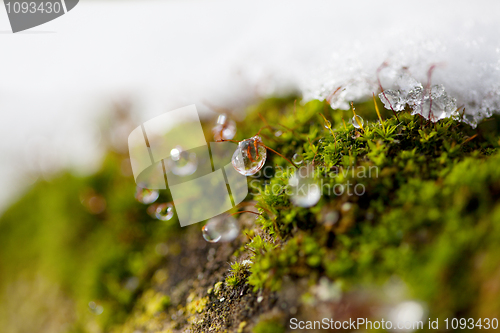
x,y
425,228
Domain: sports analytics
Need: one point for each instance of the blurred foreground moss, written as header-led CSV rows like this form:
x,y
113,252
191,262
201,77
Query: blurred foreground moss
x,y
57,233
429,217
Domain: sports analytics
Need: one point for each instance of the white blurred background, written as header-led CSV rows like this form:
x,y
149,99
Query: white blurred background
x,y
59,79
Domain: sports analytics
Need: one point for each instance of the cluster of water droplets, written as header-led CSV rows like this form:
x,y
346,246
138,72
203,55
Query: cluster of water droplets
x,y
164,211
250,156
305,191
95,308
159,211
222,228
432,103
224,129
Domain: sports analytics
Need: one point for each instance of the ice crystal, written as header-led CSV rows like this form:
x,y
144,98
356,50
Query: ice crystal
x,y
431,103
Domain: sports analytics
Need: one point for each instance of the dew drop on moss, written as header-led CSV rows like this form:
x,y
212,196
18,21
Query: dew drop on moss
x,y
297,159
222,228
224,129
182,162
305,192
357,121
250,156
346,206
164,211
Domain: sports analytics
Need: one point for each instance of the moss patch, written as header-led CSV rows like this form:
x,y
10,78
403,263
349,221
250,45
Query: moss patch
x,y
427,222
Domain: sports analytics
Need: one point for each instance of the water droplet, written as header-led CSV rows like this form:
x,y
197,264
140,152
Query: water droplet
x,y
357,121
161,249
328,124
278,133
145,195
222,228
346,206
225,128
132,283
182,162
330,217
250,156
175,154
95,203
222,119
407,311
97,309
297,159
164,211
305,190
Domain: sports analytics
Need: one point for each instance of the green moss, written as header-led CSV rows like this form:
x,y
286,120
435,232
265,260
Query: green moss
x,y
426,211
154,302
238,274
218,288
197,305
107,258
268,326
429,214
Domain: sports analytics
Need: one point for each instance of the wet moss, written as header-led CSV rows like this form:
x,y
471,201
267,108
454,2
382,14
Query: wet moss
x,y
428,217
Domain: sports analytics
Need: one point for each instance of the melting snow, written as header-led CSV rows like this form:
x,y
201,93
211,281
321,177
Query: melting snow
x,y
466,74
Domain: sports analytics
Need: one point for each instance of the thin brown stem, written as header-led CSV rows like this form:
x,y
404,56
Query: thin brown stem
x,y
429,76
263,119
274,151
329,98
385,64
224,140
246,211
289,129
471,138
